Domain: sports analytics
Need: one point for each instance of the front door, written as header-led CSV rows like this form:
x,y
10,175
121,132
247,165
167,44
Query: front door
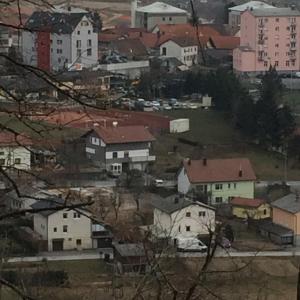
x,y
58,245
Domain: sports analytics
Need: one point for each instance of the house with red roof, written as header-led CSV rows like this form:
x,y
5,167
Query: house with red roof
x,y
246,208
15,151
217,180
117,149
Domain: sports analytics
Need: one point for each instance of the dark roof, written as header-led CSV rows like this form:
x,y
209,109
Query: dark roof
x,y
14,140
63,23
128,250
130,47
289,203
176,202
219,170
51,202
276,229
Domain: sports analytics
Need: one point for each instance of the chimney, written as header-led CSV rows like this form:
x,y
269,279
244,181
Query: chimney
x,y
176,200
240,172
204,161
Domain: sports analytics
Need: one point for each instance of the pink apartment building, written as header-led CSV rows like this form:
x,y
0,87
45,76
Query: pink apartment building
x,y
268,36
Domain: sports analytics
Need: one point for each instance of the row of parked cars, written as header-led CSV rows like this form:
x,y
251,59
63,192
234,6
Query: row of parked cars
x,y
141,104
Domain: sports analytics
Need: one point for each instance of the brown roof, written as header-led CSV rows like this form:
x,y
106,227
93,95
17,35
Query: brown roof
x,y
219,170
11,139
225,42
183,41
124,134
130,47
246,202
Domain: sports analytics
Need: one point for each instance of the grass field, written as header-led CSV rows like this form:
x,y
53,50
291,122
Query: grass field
x,y
216,137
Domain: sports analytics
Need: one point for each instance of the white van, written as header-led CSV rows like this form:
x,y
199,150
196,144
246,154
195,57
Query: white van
x,y
190,244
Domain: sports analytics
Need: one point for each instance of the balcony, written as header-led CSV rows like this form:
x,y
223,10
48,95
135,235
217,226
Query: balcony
x,y
142,158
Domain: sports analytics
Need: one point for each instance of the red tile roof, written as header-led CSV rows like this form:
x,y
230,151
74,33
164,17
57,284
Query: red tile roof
x,y
219,170
183,41
247,202
12,140
124,134
225,42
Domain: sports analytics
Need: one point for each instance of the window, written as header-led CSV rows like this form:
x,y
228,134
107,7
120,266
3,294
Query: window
x,y
89,43
265,211
219,186
78,44
179,228
54,229
187,228
58,51
170,18
276,45
277,19
65,215
17,161
164,51
201,213
78,242
293,63
65,228
59,60
188,214
229,185
95,141
51,41
59,42
78,52
115,155
2,162
277,28
164,19
84,23
276,53
51,50
76,215
1,153
276,63
89,52
265,63
219,199
287,63
126,154
78,32
89,32
288,28
234,185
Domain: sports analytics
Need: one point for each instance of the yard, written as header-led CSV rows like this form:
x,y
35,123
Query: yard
x,y
216,137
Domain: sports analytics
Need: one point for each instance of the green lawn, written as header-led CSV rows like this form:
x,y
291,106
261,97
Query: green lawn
x,y
217,139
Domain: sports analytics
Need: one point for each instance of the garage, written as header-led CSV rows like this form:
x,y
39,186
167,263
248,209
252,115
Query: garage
x,y
58,245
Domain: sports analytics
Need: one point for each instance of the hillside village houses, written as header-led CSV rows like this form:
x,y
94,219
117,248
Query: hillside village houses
x,y
268,36
120,148
179,216
60,38
219,180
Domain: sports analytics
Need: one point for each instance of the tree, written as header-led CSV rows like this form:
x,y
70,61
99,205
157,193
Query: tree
x,y
275,122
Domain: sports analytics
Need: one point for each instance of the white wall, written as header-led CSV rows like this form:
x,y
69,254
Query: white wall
x,y
10,154
29,51
40,225
86,33
172,50
174,225
78,228
59,60
131,153
179,125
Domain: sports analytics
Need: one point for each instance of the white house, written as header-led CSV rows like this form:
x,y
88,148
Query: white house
x,y
156,13
217,179
183,48
62,229
180,216
120,148
15,151
61,38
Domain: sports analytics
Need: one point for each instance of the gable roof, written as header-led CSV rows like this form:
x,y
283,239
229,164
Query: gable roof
x,y
225,42
247,202
124,134
219,170
289,203
160,8
17,140
251,4
176,202
183,41
130,47
62,23
50,203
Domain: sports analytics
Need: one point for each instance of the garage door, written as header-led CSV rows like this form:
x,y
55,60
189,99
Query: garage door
x,y
58,245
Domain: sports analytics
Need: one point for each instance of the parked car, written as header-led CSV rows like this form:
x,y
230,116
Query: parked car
x,y
155,103
172,101
190,244
158,182
167,107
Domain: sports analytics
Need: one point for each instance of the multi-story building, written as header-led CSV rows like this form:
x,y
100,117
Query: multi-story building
x,y
217,180
59,39
234,16
268,36
182,48
156,13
